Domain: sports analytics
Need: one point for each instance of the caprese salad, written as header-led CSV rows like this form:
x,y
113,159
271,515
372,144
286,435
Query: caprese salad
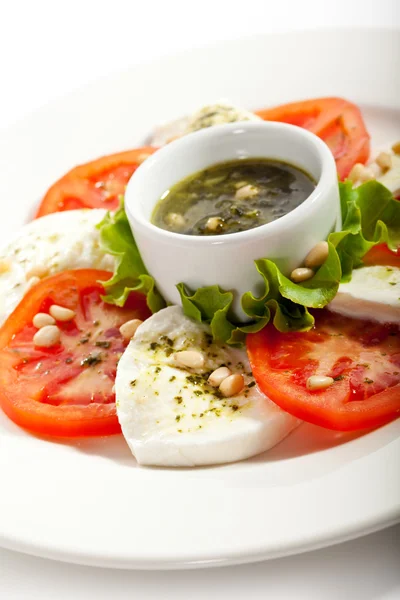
x,y
88,346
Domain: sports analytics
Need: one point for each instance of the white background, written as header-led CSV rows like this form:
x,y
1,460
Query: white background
x,y
48,48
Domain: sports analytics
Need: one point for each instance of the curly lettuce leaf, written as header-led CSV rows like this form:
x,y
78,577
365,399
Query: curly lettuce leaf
x,y
213,306
282,301
209,305
370,216
288,301
130,274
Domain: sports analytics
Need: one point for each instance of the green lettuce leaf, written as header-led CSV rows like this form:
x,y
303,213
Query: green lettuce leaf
x,y
370,215
209,305
282,300
213,306
130,274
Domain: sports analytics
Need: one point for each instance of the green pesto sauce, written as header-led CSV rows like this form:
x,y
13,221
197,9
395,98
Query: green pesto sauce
x,y
236,195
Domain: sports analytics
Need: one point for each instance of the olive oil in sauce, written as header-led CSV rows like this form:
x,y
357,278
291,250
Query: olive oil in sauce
x,y
232,196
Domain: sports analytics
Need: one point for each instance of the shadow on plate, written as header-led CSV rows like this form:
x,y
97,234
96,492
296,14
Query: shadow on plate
x,y
113,448
306,439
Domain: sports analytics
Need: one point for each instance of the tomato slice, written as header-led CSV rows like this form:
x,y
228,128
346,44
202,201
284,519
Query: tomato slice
x,y
67,389
382,255
335,120
362,357
97,184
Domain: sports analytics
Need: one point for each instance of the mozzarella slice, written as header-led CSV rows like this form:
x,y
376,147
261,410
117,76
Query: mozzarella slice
x,y
207,116
56,242
372,294
172,417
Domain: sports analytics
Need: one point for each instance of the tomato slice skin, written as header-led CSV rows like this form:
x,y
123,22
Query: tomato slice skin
x,y
41,388
336,121
96,184
382,255
365,366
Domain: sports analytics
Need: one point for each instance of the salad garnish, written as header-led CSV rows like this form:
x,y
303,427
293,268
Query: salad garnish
x,y
82,355
130,274
370,216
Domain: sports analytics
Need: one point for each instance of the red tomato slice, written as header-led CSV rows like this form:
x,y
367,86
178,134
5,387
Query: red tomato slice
x,y
335,120
382,255
67,389
97,184
362,357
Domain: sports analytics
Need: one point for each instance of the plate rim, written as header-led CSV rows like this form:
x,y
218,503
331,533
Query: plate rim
x,y
160,60
384,521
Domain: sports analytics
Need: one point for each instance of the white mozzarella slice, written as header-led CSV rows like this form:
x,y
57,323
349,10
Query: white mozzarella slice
x,y
54,243
207,116
372,294
171,416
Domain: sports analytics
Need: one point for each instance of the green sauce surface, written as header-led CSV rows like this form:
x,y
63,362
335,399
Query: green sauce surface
x,y
232,196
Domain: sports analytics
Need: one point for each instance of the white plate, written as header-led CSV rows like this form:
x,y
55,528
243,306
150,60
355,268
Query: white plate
x,y
88,502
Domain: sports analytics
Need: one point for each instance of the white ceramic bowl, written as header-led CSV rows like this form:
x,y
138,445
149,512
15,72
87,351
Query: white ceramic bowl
x,y
227,260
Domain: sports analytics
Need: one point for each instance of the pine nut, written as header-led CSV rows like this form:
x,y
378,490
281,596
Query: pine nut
x,y
367,175
355,172
60,313
38,271
374,170
47,336
317,255
384,160
214,224
247,191
42,319
232,385
175,220
301,274
359,174
128,329
318,382
218,376
396,148
189,358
